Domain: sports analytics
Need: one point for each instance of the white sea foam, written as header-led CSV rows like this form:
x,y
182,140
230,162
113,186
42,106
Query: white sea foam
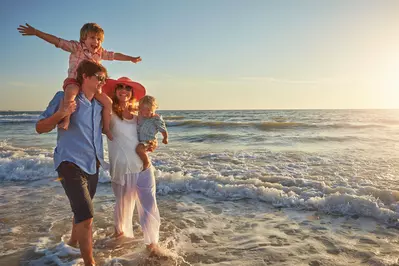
x,y
29,164
55,255
338,185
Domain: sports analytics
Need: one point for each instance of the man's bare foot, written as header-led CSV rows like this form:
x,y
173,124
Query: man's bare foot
x,y
117,235
64,124
74,244
109,135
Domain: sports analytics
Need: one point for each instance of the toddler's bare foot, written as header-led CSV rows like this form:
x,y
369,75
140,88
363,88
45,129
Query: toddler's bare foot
x,y
146,165
64,124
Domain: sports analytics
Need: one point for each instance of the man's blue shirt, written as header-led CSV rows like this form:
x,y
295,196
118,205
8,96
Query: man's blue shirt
x,y
82,143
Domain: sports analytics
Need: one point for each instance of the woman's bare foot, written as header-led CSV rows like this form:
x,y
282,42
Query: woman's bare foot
x,y
151,246
117,235
155,250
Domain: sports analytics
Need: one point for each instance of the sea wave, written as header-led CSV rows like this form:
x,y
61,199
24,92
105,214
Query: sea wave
x,y
174,117
270,125
18,121
16,113
337,203
285,181
18,118
30,164
209,137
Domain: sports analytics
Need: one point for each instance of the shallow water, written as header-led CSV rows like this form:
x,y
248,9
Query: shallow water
x,y
312,187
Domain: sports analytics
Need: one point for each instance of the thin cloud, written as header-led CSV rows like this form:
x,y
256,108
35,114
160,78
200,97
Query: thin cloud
x,y
22,84
270,79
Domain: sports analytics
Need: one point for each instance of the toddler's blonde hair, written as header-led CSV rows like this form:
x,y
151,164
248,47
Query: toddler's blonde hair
x,y
150,101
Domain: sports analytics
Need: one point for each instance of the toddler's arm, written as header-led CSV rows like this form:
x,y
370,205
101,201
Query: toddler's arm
x,y
165,137
28,30
161,127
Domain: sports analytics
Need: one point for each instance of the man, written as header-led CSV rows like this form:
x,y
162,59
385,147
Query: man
x,y
79,150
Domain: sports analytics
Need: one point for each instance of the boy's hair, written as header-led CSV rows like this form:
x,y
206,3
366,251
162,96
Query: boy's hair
x,y
89,68
150,101
91,27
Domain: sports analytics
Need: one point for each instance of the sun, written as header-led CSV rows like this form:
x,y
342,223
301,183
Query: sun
x,y
389,81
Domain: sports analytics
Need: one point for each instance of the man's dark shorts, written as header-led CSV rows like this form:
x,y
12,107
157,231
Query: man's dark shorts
x,y
80,188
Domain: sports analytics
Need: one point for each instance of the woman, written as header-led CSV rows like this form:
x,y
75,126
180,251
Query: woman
x,y
130,184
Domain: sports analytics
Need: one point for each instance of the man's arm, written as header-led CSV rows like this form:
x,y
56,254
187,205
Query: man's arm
x,y
54,113
47,124
28,30
122,57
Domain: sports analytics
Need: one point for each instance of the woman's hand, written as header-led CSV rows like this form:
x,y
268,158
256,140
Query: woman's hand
x,y
152,145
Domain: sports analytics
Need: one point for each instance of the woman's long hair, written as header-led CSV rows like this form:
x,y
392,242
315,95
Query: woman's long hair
x,y
116,107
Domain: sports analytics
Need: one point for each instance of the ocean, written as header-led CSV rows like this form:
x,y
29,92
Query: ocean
x,y
251,187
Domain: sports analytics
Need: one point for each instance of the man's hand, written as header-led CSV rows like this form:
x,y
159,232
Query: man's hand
x,y
152,145
165,141
67,108
136,59
27,30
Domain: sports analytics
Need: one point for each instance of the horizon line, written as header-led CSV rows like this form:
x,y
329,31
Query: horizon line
x,y
254,109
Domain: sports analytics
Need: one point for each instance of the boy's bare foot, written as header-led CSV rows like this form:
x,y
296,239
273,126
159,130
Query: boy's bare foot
x,y
109,135
64,124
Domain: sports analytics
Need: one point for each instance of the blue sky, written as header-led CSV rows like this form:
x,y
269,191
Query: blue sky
x,y
216,54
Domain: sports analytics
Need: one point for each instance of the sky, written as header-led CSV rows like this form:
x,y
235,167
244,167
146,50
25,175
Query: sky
x,y
215,54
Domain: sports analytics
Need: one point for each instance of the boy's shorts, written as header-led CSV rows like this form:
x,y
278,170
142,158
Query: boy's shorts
x,y
69,81
80,188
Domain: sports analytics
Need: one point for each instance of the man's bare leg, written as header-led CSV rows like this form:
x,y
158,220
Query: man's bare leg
x,y
73,241
85,237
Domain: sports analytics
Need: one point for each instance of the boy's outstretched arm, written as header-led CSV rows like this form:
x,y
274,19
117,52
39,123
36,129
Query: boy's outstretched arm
x,y
122,57
28,30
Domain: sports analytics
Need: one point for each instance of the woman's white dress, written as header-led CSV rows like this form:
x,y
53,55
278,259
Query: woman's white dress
x,y
131,186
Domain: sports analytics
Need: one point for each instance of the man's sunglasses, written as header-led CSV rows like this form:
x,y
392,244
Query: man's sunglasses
x,y
100,77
